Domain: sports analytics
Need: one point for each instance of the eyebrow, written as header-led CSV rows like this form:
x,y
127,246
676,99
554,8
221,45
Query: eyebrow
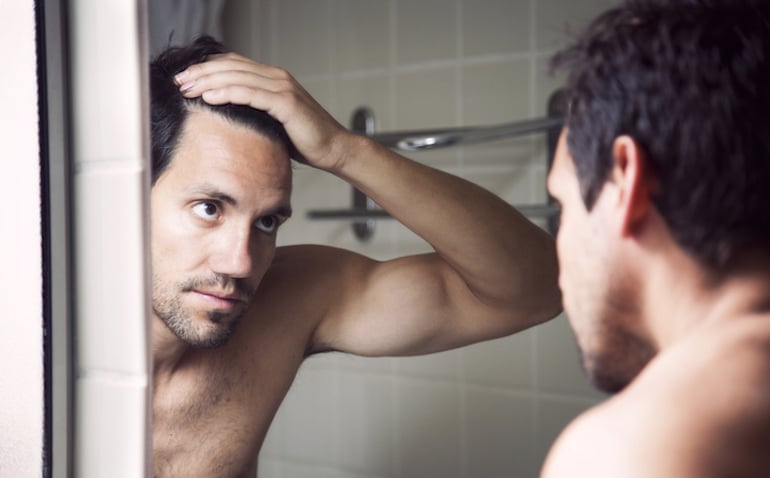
x,y
214,193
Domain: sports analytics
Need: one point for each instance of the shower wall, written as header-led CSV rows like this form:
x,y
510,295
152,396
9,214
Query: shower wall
x,y
491,409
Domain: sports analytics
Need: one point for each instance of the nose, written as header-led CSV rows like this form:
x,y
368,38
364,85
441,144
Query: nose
x,y
234,253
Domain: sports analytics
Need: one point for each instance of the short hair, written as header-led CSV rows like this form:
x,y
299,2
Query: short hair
x,y
688,80
169,108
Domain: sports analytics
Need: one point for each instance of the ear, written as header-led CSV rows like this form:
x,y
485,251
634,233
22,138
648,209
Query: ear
x,y
634,183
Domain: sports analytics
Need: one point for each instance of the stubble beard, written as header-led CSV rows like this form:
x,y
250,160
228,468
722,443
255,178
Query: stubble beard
x,y
167,305
614,366
615,353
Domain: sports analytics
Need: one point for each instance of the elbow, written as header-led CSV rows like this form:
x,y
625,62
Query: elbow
x,y
537,286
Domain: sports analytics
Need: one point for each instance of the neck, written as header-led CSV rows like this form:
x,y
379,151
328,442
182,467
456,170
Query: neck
x,y
167,349
682,295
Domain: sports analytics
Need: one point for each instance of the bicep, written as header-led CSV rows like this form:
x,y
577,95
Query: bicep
x,y
407,306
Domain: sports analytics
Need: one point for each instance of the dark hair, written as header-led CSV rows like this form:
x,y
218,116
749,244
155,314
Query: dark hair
x,y
169,109
690,82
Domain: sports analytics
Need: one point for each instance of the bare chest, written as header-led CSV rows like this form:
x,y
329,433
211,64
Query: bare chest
x,y
211,420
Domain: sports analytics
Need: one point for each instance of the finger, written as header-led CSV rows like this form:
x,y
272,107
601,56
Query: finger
x,y
228,62
196,87
265,100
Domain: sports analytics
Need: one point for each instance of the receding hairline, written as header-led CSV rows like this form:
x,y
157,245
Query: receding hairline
x,y
192,109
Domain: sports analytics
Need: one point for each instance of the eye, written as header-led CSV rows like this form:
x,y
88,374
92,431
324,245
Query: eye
x,y
267,224
206,210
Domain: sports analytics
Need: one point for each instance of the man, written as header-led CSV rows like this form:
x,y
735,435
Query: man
x,y
223,132
662,173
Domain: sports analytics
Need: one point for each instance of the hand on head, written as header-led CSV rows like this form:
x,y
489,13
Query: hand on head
x,y
232,78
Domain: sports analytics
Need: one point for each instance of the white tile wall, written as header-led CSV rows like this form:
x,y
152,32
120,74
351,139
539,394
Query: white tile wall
x,y
110,187
487,410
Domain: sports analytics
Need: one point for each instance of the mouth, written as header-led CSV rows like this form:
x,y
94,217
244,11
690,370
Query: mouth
x,y
219,299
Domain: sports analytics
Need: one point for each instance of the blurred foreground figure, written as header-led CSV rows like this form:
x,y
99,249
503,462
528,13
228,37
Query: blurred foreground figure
x,y
663,175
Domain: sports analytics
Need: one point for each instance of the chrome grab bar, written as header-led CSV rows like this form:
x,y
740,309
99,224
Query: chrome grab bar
x,y
448,137
364,212
544,211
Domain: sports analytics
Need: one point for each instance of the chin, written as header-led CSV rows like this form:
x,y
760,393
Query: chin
x,y
210,341
211,330
613,370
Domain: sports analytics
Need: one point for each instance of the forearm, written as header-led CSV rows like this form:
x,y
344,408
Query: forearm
x,y
503,258
505,261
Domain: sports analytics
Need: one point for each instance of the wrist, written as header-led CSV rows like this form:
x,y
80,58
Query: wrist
x,y
347,150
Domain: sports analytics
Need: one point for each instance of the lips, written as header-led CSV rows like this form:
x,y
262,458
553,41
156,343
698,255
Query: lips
x,y
223,299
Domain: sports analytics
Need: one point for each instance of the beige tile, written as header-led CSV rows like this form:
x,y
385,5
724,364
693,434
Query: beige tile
x,y
426,99
321,89
274,446
324,361
379,246
557,21
557,361
379,366
509,152
314,190
268,468
362,34
504,362
437,366
301,39
499,436
372,92
426,30
111,304
307,470
512,184
245,28
112,425
407,243
495,26
429,430
546,83
366,420
496,93
310,428
540,191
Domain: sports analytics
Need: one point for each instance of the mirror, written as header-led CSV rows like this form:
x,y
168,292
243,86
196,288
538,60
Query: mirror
x,y
488,409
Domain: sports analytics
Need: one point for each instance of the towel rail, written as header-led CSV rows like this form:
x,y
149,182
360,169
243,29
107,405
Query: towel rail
x,y
364,211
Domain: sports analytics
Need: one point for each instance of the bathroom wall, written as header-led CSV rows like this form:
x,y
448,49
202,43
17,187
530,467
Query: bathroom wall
x,y
110,183
491,409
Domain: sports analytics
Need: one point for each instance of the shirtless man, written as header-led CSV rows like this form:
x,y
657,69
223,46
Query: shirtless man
x,y
663,175
221,186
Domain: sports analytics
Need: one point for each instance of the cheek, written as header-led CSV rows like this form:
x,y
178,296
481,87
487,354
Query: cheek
x,y
574,249
263,253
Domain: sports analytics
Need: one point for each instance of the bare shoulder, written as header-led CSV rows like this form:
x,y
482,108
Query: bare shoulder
x,y
314,267
307,280
701,408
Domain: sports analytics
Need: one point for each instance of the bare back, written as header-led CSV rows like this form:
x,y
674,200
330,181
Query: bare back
x,y
701,408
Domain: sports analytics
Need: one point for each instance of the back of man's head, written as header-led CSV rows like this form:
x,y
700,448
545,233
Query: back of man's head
x,y
688,80
169,109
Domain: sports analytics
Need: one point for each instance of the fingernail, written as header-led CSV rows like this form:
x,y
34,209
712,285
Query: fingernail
x,y
181,77
211,94
185,87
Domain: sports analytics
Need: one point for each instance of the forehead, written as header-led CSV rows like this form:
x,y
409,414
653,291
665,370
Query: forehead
x,y
212,146
562,168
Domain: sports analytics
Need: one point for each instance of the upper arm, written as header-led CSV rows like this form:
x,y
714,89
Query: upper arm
x,y
406,306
